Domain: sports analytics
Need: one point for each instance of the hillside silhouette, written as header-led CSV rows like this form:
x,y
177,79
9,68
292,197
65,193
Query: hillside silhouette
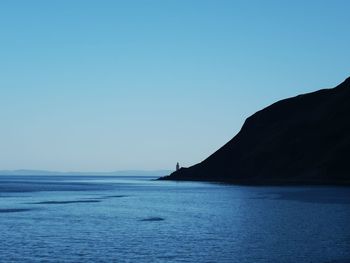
x,y
300,140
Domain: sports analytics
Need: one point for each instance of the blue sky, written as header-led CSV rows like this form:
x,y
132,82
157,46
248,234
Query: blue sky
x,y
109,85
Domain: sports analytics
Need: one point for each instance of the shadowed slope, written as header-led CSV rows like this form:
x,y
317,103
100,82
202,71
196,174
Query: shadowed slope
x,y
300,140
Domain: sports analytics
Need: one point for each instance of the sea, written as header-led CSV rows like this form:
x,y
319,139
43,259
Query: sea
x,y
140,219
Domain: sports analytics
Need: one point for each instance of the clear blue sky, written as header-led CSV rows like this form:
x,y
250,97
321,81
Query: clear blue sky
x,y
108,85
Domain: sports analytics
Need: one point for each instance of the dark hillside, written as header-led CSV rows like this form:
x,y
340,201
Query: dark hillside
x,y
300,140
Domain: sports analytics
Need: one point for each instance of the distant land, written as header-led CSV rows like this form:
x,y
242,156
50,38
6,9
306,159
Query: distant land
x,y
300,140
114,173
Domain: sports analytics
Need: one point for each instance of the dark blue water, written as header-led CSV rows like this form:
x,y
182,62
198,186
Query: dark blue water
x,y
116,219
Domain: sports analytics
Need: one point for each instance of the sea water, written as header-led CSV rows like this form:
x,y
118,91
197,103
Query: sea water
x,y
138,219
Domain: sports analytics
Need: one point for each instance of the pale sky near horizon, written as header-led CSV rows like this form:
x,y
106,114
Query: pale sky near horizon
x,y
111,85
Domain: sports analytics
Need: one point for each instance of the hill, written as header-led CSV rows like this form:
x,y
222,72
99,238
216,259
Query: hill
x,y
300,140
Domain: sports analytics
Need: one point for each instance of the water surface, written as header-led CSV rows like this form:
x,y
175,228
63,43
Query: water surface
x,y
136,219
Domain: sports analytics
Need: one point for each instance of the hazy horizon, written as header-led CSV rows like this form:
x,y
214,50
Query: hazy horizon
x,y
120,85
29,172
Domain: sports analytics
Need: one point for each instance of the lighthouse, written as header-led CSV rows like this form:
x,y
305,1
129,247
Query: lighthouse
x,y
177,166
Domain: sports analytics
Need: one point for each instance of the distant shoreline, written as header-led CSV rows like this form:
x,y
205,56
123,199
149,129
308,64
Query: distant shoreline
x,y
58,173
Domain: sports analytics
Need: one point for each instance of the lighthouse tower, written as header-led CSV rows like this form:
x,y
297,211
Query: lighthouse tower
x,y
177,167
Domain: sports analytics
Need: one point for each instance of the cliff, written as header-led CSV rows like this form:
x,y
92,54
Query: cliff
x,y
300,140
